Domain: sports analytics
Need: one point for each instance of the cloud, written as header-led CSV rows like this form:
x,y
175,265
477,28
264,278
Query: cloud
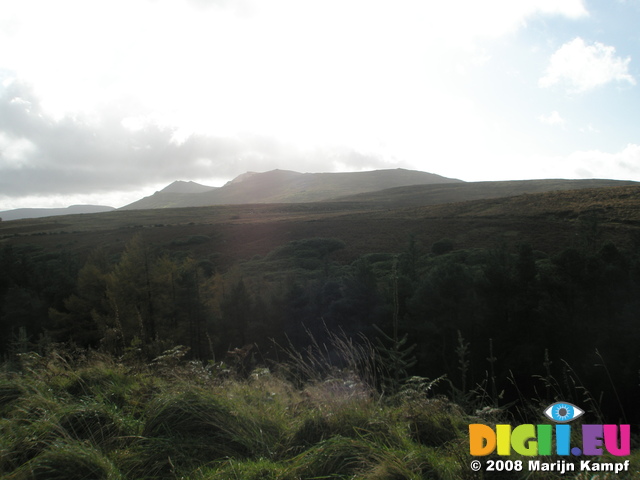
x,y
183,56
581,67
594,163
42,155
494,18
624,164
123,94
553,118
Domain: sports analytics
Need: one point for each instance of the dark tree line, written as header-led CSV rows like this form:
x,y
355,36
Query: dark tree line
x,y
510,320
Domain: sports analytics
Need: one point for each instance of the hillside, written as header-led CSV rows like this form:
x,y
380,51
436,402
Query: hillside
x,y
548,221
417,195
49,212
284,186
180,186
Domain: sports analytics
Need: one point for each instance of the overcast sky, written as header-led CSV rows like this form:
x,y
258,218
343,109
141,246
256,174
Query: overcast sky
x,y
106,102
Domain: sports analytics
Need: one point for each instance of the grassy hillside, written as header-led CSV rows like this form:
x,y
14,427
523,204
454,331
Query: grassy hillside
x,y
548,221
74,417
48,212
418,195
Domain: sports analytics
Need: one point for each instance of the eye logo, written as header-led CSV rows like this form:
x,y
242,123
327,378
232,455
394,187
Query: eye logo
x,y
563,412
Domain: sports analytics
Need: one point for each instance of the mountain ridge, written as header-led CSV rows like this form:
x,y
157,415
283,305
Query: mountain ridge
x,y
181,186
390,188
287,186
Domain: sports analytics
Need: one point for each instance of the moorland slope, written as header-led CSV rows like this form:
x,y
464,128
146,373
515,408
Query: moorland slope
x,y
548,221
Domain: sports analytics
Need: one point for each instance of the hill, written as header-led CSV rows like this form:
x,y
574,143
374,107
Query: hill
x,y
284,186
177,194
549,221
186,187
49,212
417,195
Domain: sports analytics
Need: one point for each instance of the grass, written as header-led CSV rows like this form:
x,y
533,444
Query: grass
x,y
95,417
63,460
240,232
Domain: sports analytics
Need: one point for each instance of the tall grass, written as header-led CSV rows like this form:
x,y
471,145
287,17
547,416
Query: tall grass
x,y
89,416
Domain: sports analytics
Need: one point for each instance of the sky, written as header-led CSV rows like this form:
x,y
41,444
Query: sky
x,y
106,102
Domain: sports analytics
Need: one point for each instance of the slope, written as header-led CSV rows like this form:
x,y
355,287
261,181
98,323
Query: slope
x,y
228,234
284,186
418,195
19,213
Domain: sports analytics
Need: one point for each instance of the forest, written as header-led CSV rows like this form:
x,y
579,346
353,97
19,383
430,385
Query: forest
x,y
513,321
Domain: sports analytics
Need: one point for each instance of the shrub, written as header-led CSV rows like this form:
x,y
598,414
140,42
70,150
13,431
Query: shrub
x,y
442,246
190,240
307,248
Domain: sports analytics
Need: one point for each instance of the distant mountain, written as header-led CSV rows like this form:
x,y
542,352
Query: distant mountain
x,y
285,186
50,212
177,194
186,187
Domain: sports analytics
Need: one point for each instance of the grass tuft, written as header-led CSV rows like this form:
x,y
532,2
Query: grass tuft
x,y
9,393
95,424
68,461
334,456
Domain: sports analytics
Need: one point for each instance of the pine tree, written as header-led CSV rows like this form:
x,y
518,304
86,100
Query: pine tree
x,y
396,356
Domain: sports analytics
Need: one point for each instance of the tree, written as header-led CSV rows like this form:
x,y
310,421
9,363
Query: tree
x,y
236,311
82,319
397,357
130,292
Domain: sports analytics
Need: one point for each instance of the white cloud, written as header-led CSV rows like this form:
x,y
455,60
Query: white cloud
x,y
581,67
622,165
618,165
222,69
15,152
146,90
590,128
40,155
553,118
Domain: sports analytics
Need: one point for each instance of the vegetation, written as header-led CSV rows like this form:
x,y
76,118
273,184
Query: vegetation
x,y
162,355
79,414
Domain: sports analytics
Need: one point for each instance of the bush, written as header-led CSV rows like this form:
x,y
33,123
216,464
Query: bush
x,y
190,240
442,246
307,248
